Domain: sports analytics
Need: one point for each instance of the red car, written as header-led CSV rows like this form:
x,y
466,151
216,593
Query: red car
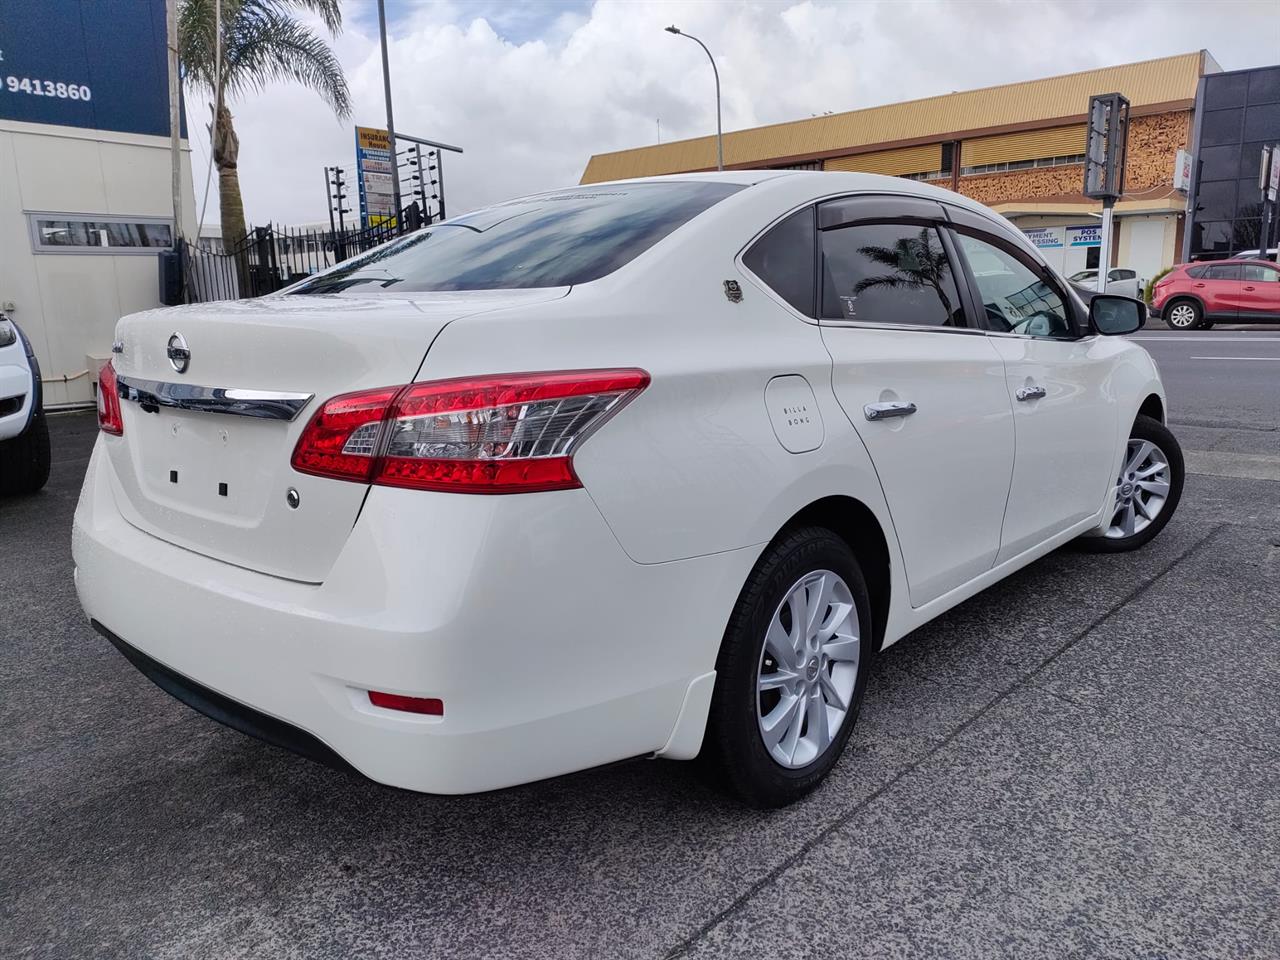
x,y
1198,295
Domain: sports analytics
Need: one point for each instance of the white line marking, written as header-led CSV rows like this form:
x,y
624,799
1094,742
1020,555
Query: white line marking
x,y
1235,358
1176,339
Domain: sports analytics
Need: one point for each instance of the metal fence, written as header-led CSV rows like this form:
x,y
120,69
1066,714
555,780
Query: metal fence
x,y
268,259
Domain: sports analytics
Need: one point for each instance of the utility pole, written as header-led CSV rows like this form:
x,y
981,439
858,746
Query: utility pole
x,y
391,123
175,118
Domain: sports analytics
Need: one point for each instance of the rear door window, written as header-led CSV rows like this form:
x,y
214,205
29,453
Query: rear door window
x,y
784,259
550,240
889,273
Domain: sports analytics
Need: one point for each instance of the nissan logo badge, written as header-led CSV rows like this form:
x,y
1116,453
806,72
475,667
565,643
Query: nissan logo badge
x,y
178,353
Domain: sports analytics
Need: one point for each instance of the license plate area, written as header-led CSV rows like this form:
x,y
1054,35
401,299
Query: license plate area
x,y
216,468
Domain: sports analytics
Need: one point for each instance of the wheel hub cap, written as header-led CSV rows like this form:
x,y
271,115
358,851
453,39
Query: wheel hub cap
x,y
1141,489
808,669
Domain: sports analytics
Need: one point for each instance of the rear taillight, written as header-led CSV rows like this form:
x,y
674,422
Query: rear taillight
x,y
109,418
512,433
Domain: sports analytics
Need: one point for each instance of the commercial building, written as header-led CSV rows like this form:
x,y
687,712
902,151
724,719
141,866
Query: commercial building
x,y
1237,113
1017,147
85,177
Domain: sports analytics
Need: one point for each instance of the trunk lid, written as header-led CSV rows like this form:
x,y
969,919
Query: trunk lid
x,y
217,483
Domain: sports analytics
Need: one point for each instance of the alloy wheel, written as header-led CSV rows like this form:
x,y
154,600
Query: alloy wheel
x,y
808,669
1141,489
1182,316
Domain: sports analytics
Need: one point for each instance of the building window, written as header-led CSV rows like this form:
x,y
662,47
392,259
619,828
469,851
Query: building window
x,y
1006,165
97,233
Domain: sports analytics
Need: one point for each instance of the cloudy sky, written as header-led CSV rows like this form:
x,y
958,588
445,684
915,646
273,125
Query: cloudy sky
x,y
531,89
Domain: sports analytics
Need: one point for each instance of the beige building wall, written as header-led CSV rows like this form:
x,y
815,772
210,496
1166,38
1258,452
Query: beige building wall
x,y
68,303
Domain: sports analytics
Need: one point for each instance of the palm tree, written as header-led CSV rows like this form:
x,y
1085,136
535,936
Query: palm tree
x,y
916,262
261,42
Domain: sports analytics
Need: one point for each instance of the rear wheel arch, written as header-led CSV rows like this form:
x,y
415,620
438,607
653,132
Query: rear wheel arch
x,y
854,523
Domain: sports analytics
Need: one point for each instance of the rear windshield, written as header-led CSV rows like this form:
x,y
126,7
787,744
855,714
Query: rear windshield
x,y
551,240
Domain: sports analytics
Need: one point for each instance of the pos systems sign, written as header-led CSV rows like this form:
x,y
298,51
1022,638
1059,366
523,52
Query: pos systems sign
x,y
95,64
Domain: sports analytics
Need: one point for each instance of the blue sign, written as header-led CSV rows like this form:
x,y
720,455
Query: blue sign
x,y
1090,236
99,64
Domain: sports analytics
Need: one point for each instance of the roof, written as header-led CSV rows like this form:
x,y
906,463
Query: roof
x,y
1152,86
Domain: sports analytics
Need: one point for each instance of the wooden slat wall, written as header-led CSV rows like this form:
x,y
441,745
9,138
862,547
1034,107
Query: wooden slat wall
x,y
1030,145
925,159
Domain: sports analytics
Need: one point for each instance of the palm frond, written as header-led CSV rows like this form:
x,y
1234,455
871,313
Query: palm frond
x,y
271,46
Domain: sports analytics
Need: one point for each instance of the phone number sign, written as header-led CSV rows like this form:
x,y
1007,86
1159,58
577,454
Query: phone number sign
x,y
99,64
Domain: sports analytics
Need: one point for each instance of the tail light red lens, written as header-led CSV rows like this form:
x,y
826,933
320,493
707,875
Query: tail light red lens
x,y
514,433
110,419
428,706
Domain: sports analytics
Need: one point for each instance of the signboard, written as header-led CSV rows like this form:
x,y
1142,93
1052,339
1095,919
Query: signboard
x,y
1089,236
96,64
1108,135
1182,171
1045,238
374,171
1273,187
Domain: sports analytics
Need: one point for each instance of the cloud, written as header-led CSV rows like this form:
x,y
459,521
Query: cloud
x,y
530,91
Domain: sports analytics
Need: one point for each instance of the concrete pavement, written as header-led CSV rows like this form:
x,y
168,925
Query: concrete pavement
x,y
1081,761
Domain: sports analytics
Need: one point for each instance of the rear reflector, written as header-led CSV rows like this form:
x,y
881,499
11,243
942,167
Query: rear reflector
x,y
513,433
110,419
429,706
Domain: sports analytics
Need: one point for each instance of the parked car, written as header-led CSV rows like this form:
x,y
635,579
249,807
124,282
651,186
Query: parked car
x,y
1195,296
1254,255
1120,280
623,470
24,433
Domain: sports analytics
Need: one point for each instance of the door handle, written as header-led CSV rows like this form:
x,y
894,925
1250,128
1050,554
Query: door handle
x,y
883,411
1030,393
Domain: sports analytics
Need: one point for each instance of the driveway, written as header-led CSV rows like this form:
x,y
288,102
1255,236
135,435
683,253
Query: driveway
x,y
1083,761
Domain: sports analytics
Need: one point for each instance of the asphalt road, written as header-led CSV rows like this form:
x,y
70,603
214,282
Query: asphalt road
x,y
1221,377
1082,761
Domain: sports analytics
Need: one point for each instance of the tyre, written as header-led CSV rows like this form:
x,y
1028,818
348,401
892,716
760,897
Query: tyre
x,y
1184,315
791,671
1146,492
24,459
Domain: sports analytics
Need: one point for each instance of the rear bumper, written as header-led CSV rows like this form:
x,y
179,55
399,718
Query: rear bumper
x,y
551,650
1154,311
225,710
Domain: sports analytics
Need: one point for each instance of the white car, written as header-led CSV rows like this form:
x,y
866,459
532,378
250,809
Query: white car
x,y
1120,280
641,469
24,432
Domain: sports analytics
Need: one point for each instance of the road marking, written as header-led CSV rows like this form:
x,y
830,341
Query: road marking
x,y
1235,358
1243,466
1184,339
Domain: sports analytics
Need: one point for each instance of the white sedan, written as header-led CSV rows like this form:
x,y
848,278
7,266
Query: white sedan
x,y
651,468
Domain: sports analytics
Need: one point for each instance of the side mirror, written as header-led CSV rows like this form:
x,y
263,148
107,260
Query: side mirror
x,y
1113,316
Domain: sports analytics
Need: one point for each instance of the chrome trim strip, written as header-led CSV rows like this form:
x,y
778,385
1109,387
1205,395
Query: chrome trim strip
x,y
151,395
899,327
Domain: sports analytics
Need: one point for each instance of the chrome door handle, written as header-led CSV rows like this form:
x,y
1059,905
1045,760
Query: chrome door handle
x,y
1030,393
883,411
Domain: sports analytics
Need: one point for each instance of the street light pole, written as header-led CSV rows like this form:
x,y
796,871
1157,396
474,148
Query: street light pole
x,y
391,123
719,131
